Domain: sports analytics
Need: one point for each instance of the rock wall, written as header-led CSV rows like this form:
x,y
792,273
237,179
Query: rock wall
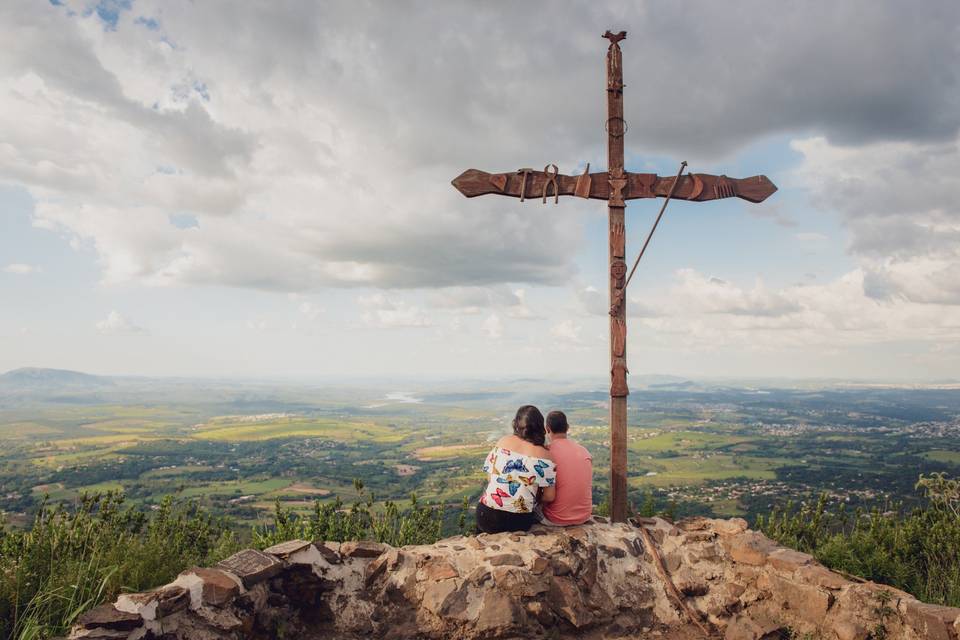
x,y
650,579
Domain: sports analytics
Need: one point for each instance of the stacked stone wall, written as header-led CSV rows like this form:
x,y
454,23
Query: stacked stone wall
x,y
649,579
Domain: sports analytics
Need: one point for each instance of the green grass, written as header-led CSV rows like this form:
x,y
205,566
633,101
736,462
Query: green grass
x,y
683,441
453,451
950,457
683,471
297,428
174,471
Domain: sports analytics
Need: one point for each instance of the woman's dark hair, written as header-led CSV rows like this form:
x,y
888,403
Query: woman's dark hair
x,y
557,421
528,425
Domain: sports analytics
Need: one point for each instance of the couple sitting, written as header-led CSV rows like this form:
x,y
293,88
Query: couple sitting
x,y
530,482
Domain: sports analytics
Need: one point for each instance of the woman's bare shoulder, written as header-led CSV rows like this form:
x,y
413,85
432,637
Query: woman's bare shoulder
x,y
505,441
543,452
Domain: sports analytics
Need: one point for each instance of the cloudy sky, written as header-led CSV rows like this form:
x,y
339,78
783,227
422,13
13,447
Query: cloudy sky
x,y
262,188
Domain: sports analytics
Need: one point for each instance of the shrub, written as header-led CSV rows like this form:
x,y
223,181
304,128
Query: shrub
x,y
74,559
418,524
916,550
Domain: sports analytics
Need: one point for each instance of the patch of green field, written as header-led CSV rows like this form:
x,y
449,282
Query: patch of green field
x,y
240,488
684,471
451,451
28,429
57,493
126,425
729,508
949,457
683,440
174,471
298,428
70,457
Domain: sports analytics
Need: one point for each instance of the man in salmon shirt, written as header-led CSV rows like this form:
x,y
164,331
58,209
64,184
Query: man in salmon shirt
x,y
573,503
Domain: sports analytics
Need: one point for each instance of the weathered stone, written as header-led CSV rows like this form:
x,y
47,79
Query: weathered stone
x,y
437,569
362,549
475,543
821,576
672,561
511,559
539,565
540,612
730,527
389,560
931,621
171,599
220,618
155,604
566,600
518,582
101,634
751,548
699,536
107,616
690,584
788,560
498,614
809,602
251,566
744,627
616,552
286,549
329,551
849,630
218,588
436,595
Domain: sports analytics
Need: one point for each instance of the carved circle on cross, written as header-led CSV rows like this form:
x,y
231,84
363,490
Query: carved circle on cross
x,y
616,126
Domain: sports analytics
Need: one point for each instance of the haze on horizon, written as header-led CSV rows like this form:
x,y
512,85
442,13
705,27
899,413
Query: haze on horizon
x,y
262,189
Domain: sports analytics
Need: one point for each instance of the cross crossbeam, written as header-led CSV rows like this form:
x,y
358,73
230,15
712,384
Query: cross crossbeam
x,y
615,186
698,187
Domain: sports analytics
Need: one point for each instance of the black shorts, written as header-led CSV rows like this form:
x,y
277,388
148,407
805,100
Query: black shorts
x,y
496,520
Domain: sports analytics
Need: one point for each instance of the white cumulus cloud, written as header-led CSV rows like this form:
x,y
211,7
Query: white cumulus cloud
x,y
116,324
21,269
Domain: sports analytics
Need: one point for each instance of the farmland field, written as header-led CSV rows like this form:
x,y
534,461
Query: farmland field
x,y
239,448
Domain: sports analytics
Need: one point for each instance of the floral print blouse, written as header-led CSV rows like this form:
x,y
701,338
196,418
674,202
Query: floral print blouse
x,y
515,479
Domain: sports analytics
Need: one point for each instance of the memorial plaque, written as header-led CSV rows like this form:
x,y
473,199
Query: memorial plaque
x,y
251,566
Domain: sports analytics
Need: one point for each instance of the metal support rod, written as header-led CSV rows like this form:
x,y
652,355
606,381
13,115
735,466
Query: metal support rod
x,y
673,188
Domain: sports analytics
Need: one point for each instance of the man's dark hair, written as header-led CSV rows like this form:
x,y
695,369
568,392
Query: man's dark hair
x,y
557,422
528,425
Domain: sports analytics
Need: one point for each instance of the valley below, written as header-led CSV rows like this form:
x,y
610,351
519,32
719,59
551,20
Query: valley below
x,y
239,447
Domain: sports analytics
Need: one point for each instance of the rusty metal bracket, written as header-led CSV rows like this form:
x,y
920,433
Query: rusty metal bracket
x,y
551,179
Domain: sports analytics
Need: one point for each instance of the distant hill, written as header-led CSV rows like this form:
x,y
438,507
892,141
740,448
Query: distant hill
x,y
47,380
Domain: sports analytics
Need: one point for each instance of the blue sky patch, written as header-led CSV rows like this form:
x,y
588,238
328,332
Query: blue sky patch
x,y
150,23
109,11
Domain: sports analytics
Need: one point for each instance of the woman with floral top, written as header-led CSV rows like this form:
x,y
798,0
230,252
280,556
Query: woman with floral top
x,y
521,474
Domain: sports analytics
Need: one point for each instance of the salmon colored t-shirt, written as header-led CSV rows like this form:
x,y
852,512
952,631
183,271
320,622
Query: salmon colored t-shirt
x,y
574,501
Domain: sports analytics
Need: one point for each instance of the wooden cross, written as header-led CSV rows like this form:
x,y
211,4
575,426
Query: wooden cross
x,y
616,186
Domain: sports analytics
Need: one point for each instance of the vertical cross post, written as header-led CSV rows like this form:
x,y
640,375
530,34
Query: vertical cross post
x,y
616,128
